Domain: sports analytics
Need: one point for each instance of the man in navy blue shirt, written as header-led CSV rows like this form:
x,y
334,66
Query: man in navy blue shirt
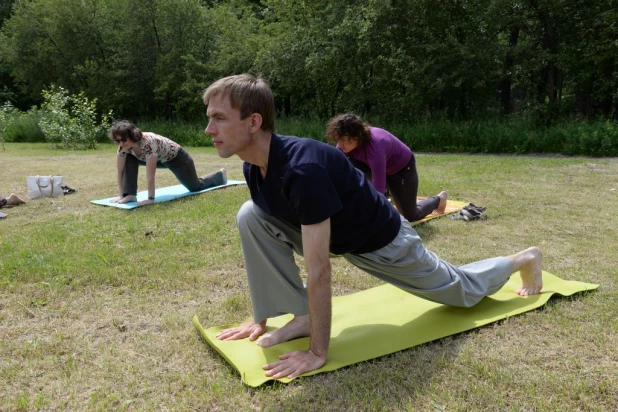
x,y
306,197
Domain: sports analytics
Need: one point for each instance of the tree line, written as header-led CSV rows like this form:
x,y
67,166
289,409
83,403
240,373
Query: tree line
x,y
393,60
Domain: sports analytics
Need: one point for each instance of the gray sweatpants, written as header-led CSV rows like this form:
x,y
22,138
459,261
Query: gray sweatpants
x,y
276,287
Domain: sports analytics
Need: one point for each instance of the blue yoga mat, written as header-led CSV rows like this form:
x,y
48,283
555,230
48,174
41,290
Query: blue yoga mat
x,y
163,194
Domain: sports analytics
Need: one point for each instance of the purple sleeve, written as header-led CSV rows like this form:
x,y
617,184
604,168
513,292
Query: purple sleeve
x,y
376,158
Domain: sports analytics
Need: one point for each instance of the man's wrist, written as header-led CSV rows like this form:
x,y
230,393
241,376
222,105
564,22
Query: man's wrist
x,y
150,197
319,353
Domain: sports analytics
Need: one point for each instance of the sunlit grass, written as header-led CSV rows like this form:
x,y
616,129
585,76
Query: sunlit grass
x,y
96,303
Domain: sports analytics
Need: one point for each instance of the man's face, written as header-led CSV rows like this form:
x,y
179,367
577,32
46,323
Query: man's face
x,y
230,135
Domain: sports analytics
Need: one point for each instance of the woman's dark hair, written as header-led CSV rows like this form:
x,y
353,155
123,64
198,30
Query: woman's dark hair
x,y
125,130
349,125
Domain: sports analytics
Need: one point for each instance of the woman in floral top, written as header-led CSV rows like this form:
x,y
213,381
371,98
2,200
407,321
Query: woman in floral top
x,y
137,148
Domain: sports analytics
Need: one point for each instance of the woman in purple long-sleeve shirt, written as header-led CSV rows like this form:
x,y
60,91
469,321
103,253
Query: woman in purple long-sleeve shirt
x,y
389,161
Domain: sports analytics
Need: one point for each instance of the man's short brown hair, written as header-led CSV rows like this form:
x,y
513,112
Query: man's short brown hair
x,y
247,93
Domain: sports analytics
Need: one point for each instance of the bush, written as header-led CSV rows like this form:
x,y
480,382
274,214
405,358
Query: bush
x,y
507,136
69,120
16,126
6,116
24,128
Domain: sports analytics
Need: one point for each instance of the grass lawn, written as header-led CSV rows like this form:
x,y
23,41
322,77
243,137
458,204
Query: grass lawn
x,y
96,302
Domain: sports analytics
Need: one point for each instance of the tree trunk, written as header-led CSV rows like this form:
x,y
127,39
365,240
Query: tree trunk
x,y
505,84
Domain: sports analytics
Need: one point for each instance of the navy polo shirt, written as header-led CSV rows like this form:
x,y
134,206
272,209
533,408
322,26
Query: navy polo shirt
x,y
308,182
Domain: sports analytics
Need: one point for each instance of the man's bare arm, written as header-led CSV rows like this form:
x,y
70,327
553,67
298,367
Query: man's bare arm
x,y
316,241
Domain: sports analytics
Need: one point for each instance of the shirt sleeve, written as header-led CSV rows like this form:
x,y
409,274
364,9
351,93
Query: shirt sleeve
x,y
311,193
150,147
376,157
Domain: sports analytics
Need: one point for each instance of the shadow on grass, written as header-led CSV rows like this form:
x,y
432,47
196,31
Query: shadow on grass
x,y
387,382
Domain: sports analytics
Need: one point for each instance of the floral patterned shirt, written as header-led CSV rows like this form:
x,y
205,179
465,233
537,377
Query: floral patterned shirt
x,y
153,145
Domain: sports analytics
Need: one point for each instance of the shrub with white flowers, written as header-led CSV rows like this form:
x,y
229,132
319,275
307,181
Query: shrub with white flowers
x,y
70,121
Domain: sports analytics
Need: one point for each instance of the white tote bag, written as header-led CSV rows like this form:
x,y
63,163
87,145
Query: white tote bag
x,y
44,186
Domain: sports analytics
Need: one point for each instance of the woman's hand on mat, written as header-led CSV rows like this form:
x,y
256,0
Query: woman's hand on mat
x,y
146,202
252,330
293,364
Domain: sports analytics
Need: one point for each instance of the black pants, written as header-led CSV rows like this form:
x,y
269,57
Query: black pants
x,y
403,188
182,166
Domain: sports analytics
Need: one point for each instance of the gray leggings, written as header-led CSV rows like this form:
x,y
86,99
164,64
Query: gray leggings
x,y
276,287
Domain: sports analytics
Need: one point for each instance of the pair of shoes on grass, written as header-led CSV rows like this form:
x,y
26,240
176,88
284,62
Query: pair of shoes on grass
x,y
470,212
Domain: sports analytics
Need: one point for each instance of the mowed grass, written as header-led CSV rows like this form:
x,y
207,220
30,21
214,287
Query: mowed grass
x,y
96,303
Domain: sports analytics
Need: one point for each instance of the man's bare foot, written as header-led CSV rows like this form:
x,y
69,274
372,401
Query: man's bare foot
x,y
442,205
529,264
296,328
14,200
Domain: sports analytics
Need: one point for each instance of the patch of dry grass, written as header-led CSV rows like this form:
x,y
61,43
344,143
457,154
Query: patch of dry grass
x,y
96,303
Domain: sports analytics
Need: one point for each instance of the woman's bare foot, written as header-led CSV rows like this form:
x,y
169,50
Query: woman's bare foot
x,y
127,199
442,205
528,262
14,200
296,328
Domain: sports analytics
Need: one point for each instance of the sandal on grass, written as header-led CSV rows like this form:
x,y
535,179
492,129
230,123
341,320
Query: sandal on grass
x,y
67,190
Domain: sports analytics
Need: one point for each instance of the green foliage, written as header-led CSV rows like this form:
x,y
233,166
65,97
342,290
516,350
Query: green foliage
x,y
24,127
70,121
508,136
6,114
589,139
572,138
182,132
17,126
513,136
294,126
404,61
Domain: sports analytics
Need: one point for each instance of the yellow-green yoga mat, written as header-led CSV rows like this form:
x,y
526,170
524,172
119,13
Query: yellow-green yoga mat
x,y
383,320
452,206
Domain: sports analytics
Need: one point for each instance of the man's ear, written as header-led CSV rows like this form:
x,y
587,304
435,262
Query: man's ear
x,y
256,122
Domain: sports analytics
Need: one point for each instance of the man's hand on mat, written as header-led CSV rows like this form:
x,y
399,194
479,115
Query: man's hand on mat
x,y
252,330
293,364
146,202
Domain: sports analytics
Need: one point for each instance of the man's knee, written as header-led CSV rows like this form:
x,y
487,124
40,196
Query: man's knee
x,y
246,215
